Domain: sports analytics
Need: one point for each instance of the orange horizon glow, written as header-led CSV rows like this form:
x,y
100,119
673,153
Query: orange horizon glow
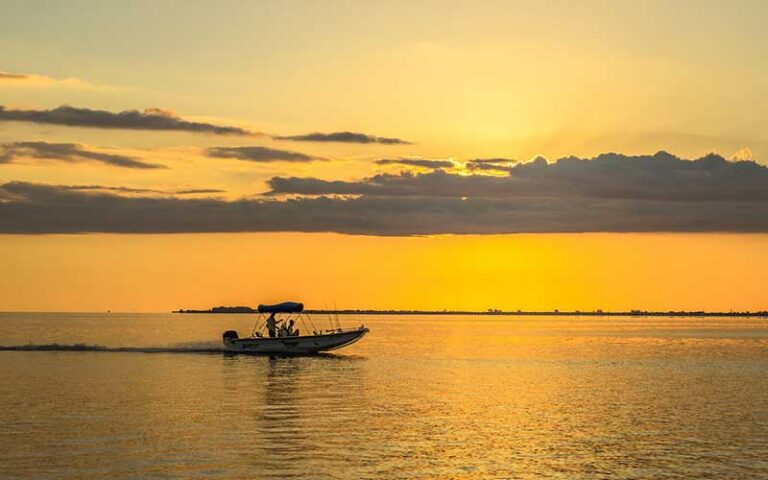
x,y
713,272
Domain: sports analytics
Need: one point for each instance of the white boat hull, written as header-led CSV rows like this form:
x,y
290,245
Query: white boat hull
x,y
299,345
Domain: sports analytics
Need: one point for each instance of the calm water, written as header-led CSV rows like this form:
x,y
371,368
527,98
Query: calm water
x,y
420,397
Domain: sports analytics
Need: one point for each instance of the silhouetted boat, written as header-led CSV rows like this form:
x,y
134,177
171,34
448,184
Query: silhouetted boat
x,y
285,342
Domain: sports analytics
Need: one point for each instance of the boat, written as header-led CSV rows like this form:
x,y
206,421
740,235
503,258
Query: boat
x,y
287,340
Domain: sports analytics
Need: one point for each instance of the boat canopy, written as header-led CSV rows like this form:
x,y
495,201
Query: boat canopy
x,y
285,307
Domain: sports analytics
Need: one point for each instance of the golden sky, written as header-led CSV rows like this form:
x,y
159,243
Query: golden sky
x,y
526,271
179,154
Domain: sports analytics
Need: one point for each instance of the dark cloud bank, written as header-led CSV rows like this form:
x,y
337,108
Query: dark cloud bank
x,y
68,152
611,193
343,137
609,176
149,119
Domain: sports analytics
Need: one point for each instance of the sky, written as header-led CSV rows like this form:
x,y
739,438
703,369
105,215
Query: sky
x,y
514,155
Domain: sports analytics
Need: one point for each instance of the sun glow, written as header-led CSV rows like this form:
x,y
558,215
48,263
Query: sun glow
x,y
529,272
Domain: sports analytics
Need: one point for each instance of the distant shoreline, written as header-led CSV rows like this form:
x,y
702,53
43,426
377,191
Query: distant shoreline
x,y
569,313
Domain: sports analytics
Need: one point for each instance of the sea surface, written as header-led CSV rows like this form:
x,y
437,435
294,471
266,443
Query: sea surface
x,y
421,397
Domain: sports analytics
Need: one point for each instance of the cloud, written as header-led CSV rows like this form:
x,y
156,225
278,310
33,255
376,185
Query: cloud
x,y
609,193
149,119
491,161
417,162
487,167
343,137
403,184
107,188
13,76
35,209
501,165
68,152
742,154
657,177
259,154
198,191
32,80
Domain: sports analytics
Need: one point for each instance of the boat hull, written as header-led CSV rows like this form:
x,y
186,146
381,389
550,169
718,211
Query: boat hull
x,y
301,345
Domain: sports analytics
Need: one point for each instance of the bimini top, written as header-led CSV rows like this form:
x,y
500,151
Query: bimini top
x,y
285,307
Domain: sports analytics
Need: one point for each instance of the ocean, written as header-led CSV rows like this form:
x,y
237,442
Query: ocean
x,y
452,397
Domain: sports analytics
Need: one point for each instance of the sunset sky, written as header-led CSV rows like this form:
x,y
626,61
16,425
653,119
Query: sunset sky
x,y
468,155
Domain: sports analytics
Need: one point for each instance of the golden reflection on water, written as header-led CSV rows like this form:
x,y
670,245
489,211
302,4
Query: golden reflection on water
x,y
421,397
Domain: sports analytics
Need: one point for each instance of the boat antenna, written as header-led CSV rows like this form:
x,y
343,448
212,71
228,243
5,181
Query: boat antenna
x,y
336,312
328,312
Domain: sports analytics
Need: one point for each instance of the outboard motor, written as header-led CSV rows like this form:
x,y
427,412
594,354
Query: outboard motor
x,y
228,336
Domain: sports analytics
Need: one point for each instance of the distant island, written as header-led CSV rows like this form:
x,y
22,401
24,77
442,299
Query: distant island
x,y
220,310
565,313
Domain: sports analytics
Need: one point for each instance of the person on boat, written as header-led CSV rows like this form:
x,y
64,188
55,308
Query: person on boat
x,y
292,332
283,331
272,325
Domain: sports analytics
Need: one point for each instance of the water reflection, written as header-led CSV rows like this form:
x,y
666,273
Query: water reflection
x,y
295,411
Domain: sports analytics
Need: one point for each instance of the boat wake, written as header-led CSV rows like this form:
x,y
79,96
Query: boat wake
x,y
82,347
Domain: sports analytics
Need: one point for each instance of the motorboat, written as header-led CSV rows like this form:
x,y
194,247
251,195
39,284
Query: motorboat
x,y
284,329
